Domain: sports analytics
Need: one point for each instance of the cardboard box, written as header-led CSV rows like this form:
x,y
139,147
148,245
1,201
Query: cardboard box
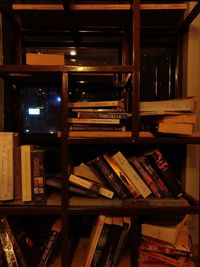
x,y
45,59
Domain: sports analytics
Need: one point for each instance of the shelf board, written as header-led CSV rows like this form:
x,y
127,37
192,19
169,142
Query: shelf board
x,y
117,206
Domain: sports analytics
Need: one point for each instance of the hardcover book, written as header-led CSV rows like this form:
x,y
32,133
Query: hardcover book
x,y
8,141
38,176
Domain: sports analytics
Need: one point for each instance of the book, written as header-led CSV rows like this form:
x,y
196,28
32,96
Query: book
x,y
82,192
7,245
121,242
45,59
190,118
84,170
38,176
187,104
92,104
102,241
122,176
177,262
17,173
8,141
104,170
145,175
114,234
55,231
175,128
9,236
165,171
92,186
147,164
103,115
26,172
94,237
94,121
164,233
132,175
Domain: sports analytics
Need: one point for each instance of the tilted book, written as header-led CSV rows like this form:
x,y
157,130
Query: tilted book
x,y
8,141
94,237
165,171
145,175
104,170
132,175
122,176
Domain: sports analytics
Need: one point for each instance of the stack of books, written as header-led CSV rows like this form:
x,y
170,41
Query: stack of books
x,y
98,116
175,116
169,245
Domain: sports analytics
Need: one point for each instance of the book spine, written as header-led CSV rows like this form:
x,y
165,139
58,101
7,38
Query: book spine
x,y
7,229
17,173
157,180
111,103
95,235
122,176
38,176
7,143
103,169
48,249
26,173
121,242
166,173
133,176
84,183
147,178
102,115
84,127
94,121
106,192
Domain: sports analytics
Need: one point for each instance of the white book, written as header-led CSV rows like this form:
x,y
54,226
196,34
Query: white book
x,y
133,176
8,140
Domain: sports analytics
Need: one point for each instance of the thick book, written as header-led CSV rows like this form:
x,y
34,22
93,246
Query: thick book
x,y
164,233
119,250
190,118
8,141
132,175
147,164
38,176
175,128
145,175
51,243
122,176
179,104
91,185
7,233
104,170
102,241
93,104
165,171
26,172
112,241
17,173
94,237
